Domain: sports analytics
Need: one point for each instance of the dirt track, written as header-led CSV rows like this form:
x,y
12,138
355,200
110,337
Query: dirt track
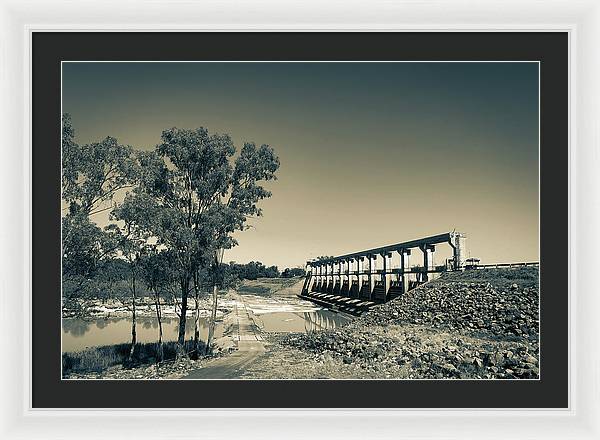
x,y
246,338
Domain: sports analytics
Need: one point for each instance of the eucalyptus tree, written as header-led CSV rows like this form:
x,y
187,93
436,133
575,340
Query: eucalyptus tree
x,y
132,236
201,195
92,174
111,275
157,273
200,279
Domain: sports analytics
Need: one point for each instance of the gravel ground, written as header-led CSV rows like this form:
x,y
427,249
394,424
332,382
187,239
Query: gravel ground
x,y
476,324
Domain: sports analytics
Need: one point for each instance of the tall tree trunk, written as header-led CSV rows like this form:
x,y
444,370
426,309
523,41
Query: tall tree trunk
x,y
159,319
197,316
133,318
213,317
185,285
213,314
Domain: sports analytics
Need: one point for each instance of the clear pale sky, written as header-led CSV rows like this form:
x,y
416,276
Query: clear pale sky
x,y
371,153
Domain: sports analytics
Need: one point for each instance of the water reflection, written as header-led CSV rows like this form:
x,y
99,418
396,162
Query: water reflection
x,y
297,322
78,334
315,321
76,327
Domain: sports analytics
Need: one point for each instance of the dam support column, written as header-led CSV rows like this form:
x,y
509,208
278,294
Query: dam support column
x,y
331,276
402,269
384,276
349,276
370,257
426,249
307,278
350,260
358,275
340,276
318,281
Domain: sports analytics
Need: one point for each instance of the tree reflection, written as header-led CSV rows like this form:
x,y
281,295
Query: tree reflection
x,y
76,327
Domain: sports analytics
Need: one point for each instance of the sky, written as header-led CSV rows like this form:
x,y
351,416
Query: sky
x,y
371,153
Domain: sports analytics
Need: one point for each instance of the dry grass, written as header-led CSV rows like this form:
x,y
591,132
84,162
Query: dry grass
x,y
271,286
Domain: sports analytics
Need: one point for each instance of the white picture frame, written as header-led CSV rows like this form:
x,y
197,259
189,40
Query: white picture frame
x,y
20,18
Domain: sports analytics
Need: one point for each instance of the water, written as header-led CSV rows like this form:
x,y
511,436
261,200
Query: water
x,y
284,322
79,334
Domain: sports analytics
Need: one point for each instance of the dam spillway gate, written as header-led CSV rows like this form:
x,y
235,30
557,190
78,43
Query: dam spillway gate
x,y
352,284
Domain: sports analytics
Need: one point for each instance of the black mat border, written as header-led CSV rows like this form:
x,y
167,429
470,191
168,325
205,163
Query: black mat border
x,y
49,48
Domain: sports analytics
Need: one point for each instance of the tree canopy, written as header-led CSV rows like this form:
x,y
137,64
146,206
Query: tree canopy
x,y
93,173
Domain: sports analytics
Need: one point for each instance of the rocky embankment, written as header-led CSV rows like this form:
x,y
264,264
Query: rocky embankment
x,y
496,302
475,324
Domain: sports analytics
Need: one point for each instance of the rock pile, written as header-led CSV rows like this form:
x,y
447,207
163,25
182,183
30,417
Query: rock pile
x,y
499,302
477,324
412,352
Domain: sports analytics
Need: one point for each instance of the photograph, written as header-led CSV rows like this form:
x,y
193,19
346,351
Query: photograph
x,y
300,220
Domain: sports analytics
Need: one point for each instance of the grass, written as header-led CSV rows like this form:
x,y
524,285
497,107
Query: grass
x,y
523,276
98,359
267,286
253,290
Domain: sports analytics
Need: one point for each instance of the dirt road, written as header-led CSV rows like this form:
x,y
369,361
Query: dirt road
x,y
246,337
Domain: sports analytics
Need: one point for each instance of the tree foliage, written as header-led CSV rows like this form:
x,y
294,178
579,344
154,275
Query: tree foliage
x,y
93,173
293,272
253,270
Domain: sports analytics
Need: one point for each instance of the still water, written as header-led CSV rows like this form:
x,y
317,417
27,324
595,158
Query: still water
x,y
284,322
78,334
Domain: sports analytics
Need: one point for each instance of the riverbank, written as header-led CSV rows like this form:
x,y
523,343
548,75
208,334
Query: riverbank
x,y
145,308
272,290
269,304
